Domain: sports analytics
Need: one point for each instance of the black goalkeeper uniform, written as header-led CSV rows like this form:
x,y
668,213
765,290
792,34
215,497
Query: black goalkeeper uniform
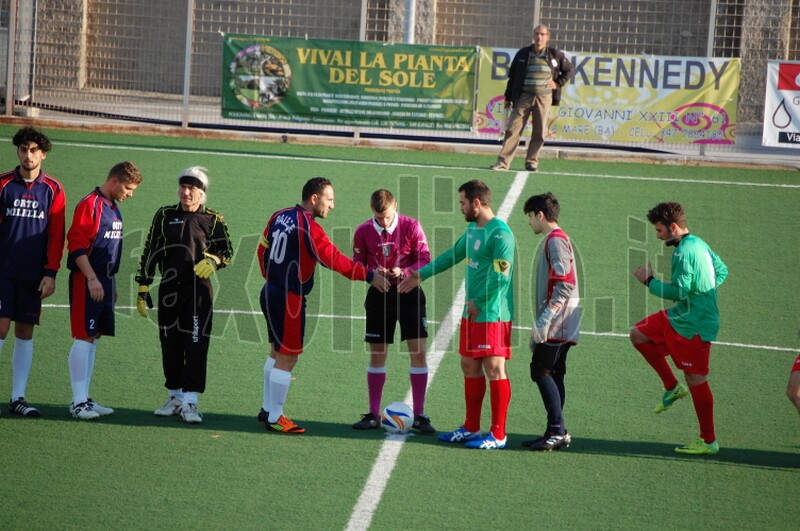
x,y
175,243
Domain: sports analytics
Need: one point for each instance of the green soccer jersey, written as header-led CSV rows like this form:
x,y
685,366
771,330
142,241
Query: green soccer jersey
x,y
489,251
696,274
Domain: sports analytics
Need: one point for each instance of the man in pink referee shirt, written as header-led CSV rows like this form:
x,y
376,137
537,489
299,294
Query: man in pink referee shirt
x,y
393,244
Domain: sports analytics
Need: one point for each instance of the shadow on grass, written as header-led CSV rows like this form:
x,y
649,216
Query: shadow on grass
x,y
315,430
769,459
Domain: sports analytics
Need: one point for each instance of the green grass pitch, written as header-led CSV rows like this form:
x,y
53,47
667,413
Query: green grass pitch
x,y
133,470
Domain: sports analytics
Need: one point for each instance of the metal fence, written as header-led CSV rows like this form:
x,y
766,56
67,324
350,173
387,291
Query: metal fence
x,y
160,62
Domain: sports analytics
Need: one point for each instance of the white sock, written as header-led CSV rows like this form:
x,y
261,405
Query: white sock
x,y
190,397
22,359
268,366
176,393
279,382
78,363
90,366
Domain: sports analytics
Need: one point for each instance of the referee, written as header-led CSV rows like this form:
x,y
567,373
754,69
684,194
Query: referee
x,y
393,244
187,242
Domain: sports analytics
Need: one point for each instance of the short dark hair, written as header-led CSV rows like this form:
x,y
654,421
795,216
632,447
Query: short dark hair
x,y
315,186
126,172
28,134
477,189
667,213
545,203
381,200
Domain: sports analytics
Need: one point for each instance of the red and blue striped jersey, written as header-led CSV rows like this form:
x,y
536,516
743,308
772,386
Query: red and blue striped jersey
x,y
290,247
32,219
96,232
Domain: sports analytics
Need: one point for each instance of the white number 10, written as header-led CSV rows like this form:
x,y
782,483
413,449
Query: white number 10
x,y
277,250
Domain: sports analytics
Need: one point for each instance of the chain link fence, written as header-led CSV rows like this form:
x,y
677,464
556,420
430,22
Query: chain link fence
x,y
129,59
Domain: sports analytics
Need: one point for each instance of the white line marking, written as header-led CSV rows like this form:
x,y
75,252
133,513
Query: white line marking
x,y
370,497
431,321
429,166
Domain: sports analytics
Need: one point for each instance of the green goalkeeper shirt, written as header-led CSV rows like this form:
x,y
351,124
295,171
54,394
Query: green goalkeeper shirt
x,y
489,251
696,273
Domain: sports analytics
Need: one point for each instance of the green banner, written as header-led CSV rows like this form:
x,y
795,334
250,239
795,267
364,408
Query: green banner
x,y
348,83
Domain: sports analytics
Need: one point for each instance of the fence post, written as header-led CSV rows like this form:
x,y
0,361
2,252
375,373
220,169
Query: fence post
x,y
712,29
187,67
12,49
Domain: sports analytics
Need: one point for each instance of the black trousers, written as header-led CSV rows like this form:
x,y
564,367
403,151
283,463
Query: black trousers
x,y
185,313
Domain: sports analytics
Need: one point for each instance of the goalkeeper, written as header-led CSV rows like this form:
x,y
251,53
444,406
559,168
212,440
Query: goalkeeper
x,y
557,314
187,242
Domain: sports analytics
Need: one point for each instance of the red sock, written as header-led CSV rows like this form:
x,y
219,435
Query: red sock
x,y
704,407
501,396
474,390
658,362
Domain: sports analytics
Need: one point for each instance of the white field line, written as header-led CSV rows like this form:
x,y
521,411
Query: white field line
x,y
431,321
429,166
370,497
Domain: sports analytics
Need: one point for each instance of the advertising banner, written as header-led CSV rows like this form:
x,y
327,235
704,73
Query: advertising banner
x,y
782,108
620,98
348,83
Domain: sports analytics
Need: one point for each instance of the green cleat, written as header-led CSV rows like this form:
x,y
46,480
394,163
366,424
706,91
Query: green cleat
x,y
669,397
699,447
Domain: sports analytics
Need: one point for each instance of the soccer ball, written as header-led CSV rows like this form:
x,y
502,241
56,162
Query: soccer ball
x,y
397,417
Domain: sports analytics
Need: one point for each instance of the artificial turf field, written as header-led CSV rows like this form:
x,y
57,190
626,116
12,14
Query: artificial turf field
x,y
134,470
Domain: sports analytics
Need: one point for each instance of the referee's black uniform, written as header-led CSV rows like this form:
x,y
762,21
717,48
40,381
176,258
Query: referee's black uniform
x,y
175,243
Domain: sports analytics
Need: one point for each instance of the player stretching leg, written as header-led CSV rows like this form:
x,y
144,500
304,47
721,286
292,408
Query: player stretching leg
x,y
686,330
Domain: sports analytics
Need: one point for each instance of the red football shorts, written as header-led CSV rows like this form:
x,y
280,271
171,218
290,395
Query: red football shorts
x,y
689,355
796,366
479,340
285,313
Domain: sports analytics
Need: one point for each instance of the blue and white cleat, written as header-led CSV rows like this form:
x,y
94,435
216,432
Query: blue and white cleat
x,y
460,435
488,443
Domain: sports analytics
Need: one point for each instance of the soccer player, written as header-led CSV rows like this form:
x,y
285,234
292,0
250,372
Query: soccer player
x,y
485,339
557,317
686,330
793,389
94,241
290,247
393,244
32,210
188,242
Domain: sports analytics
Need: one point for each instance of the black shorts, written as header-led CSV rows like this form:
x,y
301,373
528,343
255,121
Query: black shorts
x,y
20,300
384,310
550,356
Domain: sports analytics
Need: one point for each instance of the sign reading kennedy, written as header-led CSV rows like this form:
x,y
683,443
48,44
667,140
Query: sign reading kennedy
x,y
348,83
628,98
782,107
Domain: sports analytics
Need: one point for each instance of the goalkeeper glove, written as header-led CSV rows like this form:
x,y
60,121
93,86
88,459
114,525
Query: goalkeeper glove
x,y
206,267
142,299
541,327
